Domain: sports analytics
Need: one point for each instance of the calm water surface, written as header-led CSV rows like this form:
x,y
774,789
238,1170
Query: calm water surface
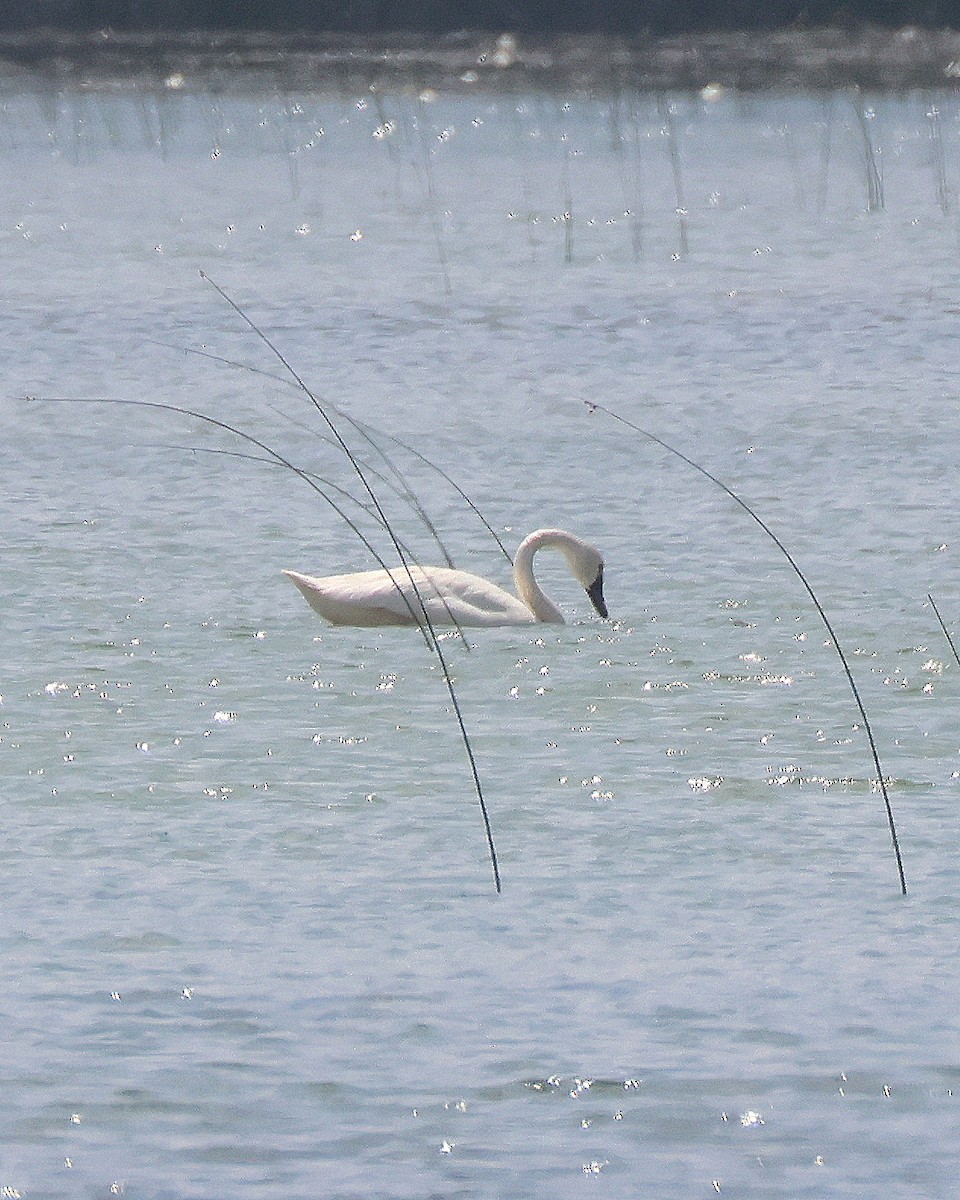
x,y
251,941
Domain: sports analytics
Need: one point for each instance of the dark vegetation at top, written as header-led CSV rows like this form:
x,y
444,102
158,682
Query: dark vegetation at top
x,y
622,18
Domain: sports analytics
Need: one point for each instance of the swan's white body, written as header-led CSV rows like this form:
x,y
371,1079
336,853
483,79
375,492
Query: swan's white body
x,y
454,597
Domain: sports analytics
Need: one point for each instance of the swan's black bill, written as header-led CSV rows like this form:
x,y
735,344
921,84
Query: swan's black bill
x,y
595,592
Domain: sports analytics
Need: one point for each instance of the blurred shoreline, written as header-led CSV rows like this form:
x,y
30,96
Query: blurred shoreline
x,y
867,57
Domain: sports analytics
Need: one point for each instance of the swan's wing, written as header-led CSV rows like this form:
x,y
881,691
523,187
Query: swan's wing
x,y
469,599
381,598
363,598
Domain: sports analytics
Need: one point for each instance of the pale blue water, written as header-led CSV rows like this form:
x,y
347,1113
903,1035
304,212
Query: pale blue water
x,y
251,941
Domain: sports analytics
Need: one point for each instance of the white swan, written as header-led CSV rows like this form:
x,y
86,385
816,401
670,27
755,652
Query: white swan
x,y
454,597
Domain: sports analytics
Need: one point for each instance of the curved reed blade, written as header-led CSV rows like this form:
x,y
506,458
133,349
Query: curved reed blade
x,y
418,612
333,487
594,407
369,433
402,489
424,620
946,631
276,459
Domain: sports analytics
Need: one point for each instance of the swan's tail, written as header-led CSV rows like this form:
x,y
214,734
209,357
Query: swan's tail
x,y
310,590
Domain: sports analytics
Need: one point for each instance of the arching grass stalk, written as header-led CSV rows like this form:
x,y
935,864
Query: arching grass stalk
x,y
401,489
367,509
418,611
276,459
946,631
370,433
594,407
426,625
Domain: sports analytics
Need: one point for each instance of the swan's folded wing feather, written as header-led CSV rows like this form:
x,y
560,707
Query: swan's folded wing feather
x,y
470,600
367,598
361,598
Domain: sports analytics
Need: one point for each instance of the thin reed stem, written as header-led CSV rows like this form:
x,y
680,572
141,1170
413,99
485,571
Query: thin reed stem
x,y
665,110
871,156
634,202
384,133
790,146
826,147
275,457
434,641
433,208
594,407
939,159
369,433
313,479
516,109
291,146
367,509
943,626
567,189
421,617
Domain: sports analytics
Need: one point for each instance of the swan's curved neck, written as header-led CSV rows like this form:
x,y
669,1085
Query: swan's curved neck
x,y
530,592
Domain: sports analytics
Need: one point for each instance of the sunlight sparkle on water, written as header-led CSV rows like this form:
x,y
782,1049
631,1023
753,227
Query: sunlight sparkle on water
x,y
725,284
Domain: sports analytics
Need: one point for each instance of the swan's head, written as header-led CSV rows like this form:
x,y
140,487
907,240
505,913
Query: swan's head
x,y
595,592
586,562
